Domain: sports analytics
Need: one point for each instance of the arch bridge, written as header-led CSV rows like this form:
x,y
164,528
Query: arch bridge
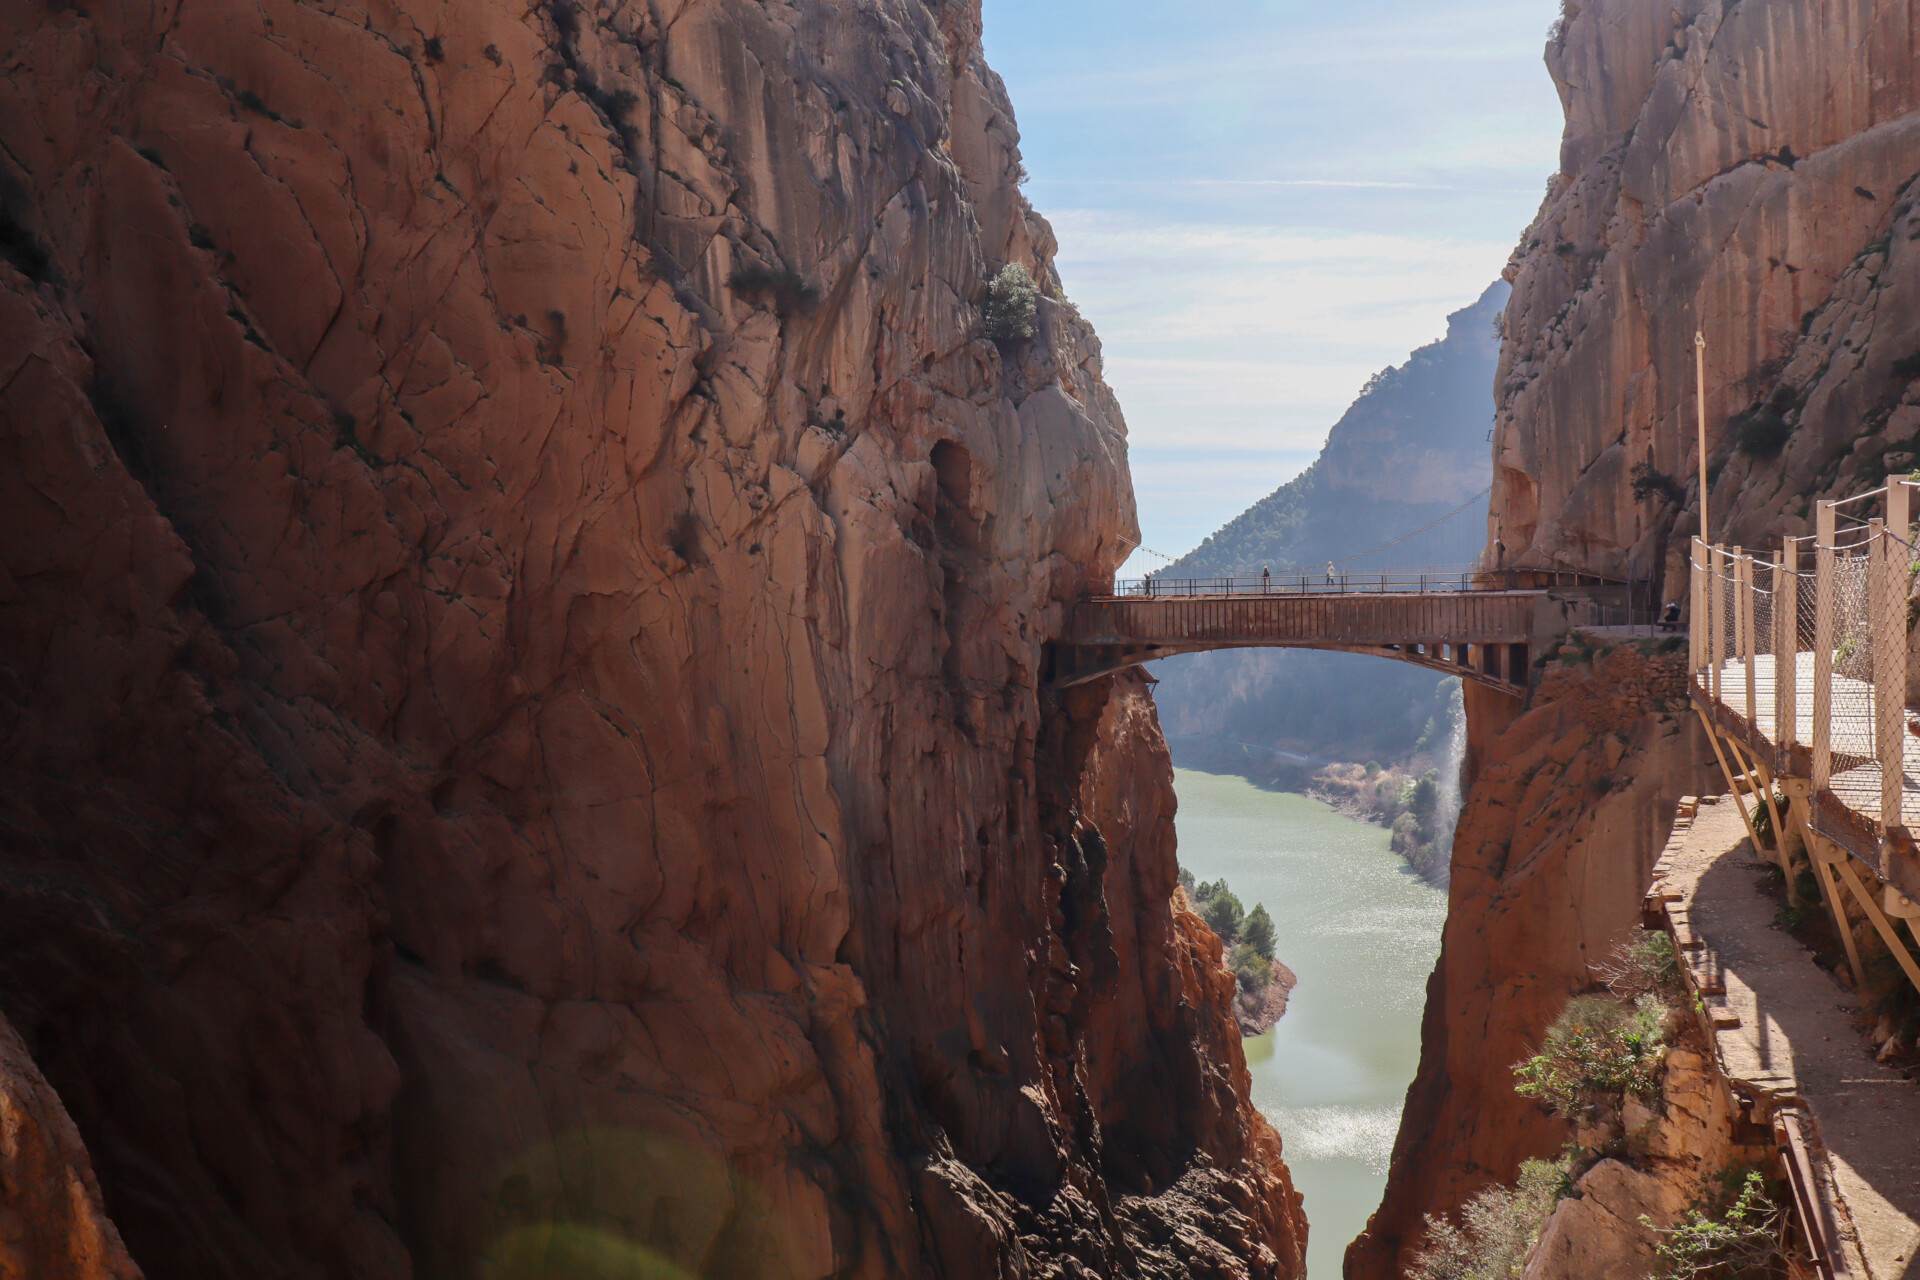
x,y
1481,626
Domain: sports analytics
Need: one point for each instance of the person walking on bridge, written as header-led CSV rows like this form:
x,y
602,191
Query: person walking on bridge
x,y
1266,581
1329,573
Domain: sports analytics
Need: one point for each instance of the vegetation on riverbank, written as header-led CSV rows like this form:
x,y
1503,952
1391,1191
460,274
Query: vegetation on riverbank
x,y
1417,798
1246,945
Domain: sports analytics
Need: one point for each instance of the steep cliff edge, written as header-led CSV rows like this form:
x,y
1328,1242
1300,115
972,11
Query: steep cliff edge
x,y
1566,813
1745,169
523,589
1742,169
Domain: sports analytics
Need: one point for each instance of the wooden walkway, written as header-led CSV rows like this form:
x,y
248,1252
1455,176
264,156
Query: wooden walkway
x,y
1800,672
1794,1065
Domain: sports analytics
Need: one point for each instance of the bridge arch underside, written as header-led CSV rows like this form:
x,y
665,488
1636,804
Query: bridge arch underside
x,y
1501,666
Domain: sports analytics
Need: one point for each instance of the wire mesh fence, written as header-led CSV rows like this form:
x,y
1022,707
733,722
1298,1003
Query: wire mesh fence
x,y
1809,647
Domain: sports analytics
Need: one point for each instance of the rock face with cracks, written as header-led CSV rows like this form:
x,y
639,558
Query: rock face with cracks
x,y
1742,169
523,598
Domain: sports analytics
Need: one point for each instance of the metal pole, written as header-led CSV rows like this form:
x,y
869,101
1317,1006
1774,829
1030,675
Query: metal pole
x,y
1889,623
1786,645
1700,405
1823,648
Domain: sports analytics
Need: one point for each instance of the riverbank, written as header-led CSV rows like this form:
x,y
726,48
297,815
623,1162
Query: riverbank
x,y
1258,1011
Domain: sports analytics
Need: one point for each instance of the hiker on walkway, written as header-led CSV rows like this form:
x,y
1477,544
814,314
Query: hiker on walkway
x,y
1329,573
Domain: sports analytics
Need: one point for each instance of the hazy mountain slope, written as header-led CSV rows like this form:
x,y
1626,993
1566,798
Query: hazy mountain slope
x,y
1412,448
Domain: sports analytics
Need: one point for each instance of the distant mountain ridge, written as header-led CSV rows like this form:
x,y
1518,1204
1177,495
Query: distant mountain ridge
x,y
1410,449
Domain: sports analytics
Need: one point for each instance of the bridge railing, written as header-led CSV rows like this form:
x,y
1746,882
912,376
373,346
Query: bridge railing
x,y
1298,582
1613,602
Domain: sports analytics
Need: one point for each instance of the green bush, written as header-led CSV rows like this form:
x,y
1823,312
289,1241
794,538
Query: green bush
x,y
1598,1047
1252,968
1257,931
1012,304
1645,964
1647,482
1223,914
1422,797
1497,1227
1718,1240
786,289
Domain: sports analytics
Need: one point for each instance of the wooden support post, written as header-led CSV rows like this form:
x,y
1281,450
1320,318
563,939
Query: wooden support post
x,y
1879,921
1823,648
1888,618
1697,567
1825,856
1743,611
1733,786
1786,649
1759,783
1799,793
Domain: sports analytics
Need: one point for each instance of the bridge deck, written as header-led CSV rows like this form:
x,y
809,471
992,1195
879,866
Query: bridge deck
x,y
1361,618
1855,779
1483,635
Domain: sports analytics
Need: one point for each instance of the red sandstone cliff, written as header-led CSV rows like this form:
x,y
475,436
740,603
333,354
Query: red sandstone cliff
x,y
1746,169
1743,169
521,600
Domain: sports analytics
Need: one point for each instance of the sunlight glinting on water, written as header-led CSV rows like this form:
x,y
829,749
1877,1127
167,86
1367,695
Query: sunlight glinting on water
x,y
1326,1133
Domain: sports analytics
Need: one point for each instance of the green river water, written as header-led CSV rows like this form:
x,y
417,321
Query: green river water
x,y
1362,933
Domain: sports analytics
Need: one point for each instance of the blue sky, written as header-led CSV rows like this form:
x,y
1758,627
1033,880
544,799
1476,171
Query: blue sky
x,y
1262,202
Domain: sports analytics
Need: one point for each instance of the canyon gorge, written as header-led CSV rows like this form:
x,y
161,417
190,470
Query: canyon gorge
x,y
527,562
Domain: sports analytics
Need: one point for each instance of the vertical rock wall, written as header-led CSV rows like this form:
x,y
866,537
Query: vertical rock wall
x,y
1744,169
522,591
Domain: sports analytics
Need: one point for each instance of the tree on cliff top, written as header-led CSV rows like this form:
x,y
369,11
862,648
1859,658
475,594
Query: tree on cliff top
x,y
1257,931
1223,915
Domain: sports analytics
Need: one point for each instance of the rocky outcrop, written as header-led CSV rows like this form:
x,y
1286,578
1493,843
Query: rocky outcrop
x,y
1567,811
1743,168
522,605
51,1219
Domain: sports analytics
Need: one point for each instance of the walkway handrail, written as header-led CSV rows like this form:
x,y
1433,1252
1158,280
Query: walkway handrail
x,y
1765,628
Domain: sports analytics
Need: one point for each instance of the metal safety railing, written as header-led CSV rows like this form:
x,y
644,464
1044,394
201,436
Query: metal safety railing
x,y
1635,602
1304,582
1809,646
